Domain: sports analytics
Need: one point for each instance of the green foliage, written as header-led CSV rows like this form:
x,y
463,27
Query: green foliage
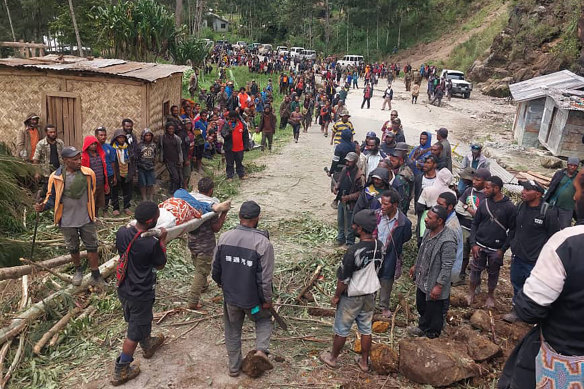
x,y
464,55
188,50
62,26
139,30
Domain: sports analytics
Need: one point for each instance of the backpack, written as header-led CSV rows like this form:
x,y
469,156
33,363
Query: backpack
x,y
365,281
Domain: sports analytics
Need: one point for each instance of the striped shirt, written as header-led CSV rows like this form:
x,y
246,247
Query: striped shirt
x,y
338,128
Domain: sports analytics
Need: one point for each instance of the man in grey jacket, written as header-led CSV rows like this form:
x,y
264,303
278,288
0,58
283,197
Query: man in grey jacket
x,y
243,267
431,273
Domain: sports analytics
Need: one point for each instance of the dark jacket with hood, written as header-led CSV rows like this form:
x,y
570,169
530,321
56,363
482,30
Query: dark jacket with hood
x,y
147,152
341,150
486,231
369,196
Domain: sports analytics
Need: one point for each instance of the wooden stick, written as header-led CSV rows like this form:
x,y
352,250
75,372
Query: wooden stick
x,y
492,322
54,330
15,362
3,353
60,276
19,271
393,324
310,283
194,321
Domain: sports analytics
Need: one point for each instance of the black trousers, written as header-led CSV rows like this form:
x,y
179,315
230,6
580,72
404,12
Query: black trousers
x,y
125,186
368,100
174,171
431,314
283,122
230,158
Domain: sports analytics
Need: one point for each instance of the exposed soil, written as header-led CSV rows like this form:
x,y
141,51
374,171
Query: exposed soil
x,y
292,185
440,49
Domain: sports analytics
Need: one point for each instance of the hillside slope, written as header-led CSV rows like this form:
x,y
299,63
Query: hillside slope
x,y
541,37
503,42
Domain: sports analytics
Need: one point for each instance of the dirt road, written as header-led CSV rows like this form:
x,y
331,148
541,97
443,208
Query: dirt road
x,y
293,183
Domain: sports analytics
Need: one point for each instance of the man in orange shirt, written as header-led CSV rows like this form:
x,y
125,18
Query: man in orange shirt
x,y
28,138
236,139
243,99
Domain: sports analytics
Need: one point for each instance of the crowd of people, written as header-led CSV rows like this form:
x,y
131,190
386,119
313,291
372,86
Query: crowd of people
x,y
380,186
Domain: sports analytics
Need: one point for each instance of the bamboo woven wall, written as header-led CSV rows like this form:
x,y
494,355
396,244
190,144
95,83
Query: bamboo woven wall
x,y
106,103
19,96
164,89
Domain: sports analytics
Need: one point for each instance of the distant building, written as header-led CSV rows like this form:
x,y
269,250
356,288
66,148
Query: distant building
x,y
531,96
216,22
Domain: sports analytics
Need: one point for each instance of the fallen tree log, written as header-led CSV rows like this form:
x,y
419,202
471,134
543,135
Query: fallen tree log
x,y
310,283
19,271
55,329
106,270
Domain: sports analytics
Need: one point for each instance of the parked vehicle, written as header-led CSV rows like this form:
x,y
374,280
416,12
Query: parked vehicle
x,y
460,86
308,55
265,49
295,51
282,50
240,45
351,60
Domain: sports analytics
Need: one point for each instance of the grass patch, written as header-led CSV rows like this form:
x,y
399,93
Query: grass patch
x,y
464,55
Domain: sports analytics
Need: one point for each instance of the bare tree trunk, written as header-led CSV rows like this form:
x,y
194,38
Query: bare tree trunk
x,y
178,10
326,27
10,20
79,47
399,31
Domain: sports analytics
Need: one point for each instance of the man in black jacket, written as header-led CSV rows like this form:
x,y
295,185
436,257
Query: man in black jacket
x,y
243,267
553,298
534,225
560,193
490,232
347,190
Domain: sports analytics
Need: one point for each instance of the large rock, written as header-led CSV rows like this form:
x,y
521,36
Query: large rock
x,y
435,362
551,162
479,348
384,359
480,320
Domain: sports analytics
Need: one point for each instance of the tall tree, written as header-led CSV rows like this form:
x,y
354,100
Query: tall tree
x,y
79,47
178,10
10,20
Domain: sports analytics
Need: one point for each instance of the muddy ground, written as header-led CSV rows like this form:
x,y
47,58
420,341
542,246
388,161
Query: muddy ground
x,y
294,187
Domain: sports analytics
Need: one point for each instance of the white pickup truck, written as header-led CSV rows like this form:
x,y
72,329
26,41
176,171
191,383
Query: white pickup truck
x,y
460,86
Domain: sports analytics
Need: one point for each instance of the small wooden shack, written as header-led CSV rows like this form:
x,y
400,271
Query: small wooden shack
x,y
216,22
562,124
531,96
80,94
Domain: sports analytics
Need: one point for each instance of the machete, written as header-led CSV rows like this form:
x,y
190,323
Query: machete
x,y
279,319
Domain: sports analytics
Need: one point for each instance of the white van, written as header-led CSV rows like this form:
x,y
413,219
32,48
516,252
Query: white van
x,y
295,51
351,60
308,55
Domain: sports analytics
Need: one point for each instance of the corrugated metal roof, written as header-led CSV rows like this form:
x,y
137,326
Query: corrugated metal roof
x,y
538,86
143,71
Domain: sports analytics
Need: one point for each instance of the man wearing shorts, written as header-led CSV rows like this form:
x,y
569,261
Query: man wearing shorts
x,y
147,151
357,307
136,290
71,192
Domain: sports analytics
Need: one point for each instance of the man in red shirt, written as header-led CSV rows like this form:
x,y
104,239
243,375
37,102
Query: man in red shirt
x,y
236,139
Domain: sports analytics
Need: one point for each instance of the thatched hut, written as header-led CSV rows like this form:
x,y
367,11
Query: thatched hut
x,y
80,94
